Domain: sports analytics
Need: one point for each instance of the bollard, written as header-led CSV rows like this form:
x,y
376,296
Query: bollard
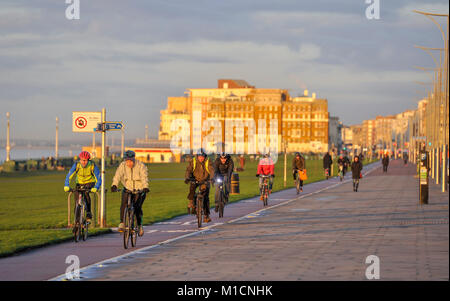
x,y
234,184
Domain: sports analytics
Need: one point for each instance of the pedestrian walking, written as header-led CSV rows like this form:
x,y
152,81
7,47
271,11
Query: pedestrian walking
x,y
356,172
385,162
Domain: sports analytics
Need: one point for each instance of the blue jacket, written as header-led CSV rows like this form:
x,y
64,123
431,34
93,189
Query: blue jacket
x,y
88,174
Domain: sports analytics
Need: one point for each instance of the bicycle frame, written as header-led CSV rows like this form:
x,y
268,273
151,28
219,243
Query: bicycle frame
x,y
265,190
199,197
130,217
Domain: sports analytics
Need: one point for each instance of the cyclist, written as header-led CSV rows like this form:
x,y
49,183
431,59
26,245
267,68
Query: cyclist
x,y
344,162
87,175
200,170
265,167
223,168
133,174
298,163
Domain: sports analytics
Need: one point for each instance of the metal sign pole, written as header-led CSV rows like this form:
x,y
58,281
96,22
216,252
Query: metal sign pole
x,y
102,195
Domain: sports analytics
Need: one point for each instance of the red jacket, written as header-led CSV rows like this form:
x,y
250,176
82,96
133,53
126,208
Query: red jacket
x,y
266,167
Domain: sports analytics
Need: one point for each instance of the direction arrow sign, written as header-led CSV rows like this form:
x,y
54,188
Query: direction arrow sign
x,y
109,126
116,125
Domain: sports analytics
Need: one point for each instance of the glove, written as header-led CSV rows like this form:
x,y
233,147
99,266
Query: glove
x,y
186,181
146,190
114,188
66,188
94,190
257,175
273,176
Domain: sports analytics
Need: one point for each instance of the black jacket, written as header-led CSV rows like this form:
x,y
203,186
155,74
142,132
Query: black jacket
x,y
385,160
298,164
356,169
327,161
224,169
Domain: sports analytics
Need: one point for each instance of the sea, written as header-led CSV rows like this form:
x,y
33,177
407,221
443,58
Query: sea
x,y
24,153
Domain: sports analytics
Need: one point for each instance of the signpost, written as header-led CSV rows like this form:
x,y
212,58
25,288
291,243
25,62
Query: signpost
x,y
96,122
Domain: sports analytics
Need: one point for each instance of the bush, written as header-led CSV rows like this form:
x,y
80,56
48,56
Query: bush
x,y
32,165
9,166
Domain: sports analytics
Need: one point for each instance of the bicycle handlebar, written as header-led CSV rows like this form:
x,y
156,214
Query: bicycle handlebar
x,y
134,191
80,189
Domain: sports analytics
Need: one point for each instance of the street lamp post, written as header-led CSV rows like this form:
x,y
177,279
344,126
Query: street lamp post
x,y
56,139
435,107
443,124
8,146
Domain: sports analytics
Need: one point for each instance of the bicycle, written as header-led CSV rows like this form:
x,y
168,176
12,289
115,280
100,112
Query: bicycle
x,y
80,225
199,196
265,190
131,229
297,182
221,202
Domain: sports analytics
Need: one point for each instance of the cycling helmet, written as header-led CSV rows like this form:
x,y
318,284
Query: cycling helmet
x,y
129,155
297,154
223,155
85,155
201,153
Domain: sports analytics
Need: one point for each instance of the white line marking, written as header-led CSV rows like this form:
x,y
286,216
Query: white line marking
x,y
168,223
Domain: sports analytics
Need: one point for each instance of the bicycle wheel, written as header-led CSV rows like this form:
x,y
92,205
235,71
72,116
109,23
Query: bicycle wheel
x,y
199,210
126,231
133,228
221,205
265,197
83,223
77,226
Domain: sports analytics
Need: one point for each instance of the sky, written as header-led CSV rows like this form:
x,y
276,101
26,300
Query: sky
x,y
129,56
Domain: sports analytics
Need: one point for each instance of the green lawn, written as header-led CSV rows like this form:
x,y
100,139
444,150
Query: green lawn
x,y
33,209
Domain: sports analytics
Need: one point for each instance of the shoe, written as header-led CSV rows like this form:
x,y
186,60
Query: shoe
x,y
88,217
301,189
191,207
261,198
121,227
141,231
206,219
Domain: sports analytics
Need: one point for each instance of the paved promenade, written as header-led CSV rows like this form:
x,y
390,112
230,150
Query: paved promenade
x,y
48,262
324,236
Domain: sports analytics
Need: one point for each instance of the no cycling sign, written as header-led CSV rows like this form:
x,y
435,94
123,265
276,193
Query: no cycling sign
x,y
85,121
